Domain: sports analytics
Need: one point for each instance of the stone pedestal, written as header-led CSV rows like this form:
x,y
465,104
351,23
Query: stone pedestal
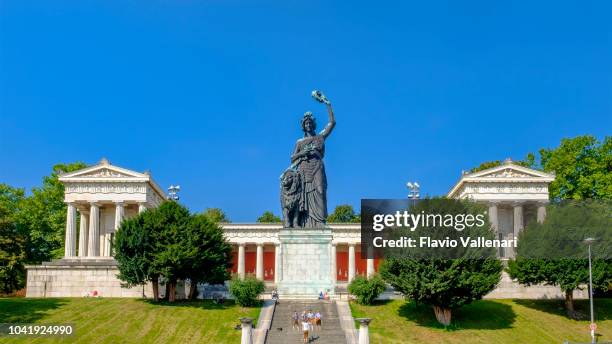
x,y
305,262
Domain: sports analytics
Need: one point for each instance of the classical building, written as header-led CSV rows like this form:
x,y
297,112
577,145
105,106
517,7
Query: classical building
x,y
99,197
516,195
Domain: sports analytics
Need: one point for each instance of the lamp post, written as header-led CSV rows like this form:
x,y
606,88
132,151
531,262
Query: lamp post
x,y
414,188
414,192
590,241
173,191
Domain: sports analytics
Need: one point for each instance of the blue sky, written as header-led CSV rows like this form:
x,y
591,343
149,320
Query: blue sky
x,y
209,94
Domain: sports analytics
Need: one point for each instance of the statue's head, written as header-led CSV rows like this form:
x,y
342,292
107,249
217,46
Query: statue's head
x,y
309,125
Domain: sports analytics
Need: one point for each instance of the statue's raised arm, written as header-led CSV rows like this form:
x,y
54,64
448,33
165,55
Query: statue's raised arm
x,y
320,97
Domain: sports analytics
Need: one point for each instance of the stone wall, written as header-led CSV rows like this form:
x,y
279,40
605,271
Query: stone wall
x,y
509,289
79,278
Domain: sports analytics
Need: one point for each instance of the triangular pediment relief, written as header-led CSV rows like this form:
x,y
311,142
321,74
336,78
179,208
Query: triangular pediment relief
x,y
509,171
103,171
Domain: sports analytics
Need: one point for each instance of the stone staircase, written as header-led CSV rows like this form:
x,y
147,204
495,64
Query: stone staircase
x,y
281,331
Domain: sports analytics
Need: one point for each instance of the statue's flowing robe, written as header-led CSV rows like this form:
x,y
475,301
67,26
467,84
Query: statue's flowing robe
x,y
313,200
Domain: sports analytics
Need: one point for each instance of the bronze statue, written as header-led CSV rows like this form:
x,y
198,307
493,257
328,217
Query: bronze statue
x,y
304,184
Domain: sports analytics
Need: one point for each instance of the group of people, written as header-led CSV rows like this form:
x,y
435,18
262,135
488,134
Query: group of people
x,y
310,320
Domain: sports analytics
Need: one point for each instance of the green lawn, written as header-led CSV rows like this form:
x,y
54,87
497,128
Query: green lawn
x,y
114,320
486,321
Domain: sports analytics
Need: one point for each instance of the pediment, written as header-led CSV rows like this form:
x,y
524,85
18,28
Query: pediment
x,y
103,171
509,171
505,175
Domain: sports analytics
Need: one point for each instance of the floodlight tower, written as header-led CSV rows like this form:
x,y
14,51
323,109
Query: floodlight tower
x,y
173,191
414,192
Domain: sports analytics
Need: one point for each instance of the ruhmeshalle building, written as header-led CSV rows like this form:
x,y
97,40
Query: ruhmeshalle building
x,y
99,197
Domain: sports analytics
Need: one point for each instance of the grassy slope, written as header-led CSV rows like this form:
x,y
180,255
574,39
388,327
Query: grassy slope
x,y
111,320
488,321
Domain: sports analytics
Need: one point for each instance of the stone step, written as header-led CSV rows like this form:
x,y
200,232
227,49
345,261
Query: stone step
x,y
282,331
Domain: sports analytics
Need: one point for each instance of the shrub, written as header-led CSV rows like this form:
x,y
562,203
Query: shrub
x,y
367,290
246,291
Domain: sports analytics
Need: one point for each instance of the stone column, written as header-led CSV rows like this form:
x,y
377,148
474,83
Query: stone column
x,y
277,263
259,265
141,208
351,262
93,249
541,212
518,219
370,267
119,214
241,247
493,218
70,244
247,330
83,234
334,267
364,332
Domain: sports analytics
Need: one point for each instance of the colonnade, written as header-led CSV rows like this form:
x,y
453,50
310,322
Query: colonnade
x,y
89,229
259,260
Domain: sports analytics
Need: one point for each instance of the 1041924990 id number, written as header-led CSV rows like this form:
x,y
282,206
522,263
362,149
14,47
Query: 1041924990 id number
x,y
10,330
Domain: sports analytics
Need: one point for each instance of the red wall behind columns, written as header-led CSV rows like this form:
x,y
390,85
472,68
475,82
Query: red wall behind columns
x,y
361,265
234,268
342,266
269,260
250,262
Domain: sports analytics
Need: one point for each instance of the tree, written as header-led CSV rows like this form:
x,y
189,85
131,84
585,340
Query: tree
x,y
445,284
135,250
582,168
44,216
367,289
554,252
172,254
12,240
208,253
268,217
216,215
246,291
344,213
444,278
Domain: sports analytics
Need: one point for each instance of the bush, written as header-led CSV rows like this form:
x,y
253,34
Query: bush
x,y
246,291
367,290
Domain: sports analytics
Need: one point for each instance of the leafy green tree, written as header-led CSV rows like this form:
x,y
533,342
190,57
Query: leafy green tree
x,y
172,255
268,217
12,240
209,254
449,278
367,289
43,214
135,249
554,252
246,291
216,215
582,168
344,213
445,284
